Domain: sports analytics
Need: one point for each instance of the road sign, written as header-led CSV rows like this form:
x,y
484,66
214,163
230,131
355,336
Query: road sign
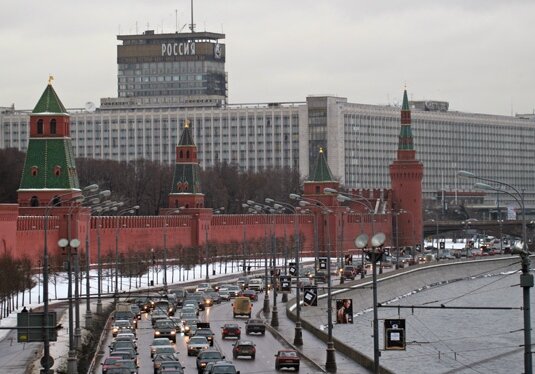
x,y
323,263
286,282
394,334
310,295
30,327
292,268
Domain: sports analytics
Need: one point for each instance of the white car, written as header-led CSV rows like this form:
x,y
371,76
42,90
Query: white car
x,y
197,344
203,287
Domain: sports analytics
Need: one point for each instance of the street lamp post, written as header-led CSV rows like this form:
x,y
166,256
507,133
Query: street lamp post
x,y
330,362
68,245
526,278
298,337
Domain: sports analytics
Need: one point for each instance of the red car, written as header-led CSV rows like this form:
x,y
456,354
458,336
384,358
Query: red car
x,y
110,362
251,294
230,330
287,358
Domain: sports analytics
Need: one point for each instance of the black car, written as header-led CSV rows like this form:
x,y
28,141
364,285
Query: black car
x,y
244,348
163,357
206,356
255,326
170,367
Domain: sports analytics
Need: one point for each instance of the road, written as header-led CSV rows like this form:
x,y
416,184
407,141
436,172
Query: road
x,y
218,315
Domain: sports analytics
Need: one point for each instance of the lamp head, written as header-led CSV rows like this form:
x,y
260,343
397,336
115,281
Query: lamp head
x,y
105,193
342,198
91,188
378,239
269,200
251,202
361,241
295,196
465,174
329,190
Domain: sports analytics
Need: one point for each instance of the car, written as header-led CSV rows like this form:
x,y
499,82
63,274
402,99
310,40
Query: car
x,y
214,296
109,362
161,358
136,310
251,294
287,358
224,295
321,277
170,367
242,306
244,348
118,370
207,333
255,326
122,344
206,356
165,329
197,344
177,322
126,336
350,272
222,367
164,349
158,342
129,364
189,325
188,314
122,325
201,287
234,290
157,314
165,306
243,282
230,330
125,354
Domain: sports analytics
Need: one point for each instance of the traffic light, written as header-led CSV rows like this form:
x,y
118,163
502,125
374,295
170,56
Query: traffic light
x,y
418,247
442,245
322,263
286,283
348,259
292,268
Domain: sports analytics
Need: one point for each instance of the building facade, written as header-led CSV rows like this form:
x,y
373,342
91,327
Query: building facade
x,y
360,141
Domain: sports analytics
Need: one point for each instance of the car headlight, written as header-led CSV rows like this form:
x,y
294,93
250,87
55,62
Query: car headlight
x,y
173,332
156,333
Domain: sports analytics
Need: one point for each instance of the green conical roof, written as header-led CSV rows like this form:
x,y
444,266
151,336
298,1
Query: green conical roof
x,y
322,172
405,105
49,102
186,138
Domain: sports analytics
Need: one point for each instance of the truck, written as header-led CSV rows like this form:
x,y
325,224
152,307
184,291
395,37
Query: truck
x,y
256,284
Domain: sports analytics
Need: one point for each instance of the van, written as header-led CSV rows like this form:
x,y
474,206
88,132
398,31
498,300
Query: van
x,y
242,306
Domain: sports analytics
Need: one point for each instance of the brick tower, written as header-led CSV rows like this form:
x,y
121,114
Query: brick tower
x,y
406,174
186,188
49,168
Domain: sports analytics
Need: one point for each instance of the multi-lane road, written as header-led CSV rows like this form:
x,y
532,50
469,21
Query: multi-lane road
x,y
266,345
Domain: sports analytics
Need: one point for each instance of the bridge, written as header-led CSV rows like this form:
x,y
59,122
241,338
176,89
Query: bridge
x,y
494,228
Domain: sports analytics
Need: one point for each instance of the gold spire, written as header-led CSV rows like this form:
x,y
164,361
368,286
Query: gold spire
x,y
50,79
321,149
186,123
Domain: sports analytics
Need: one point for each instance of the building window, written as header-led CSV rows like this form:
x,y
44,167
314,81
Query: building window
x,y
57,170
53,126
35,171
34,201
40,126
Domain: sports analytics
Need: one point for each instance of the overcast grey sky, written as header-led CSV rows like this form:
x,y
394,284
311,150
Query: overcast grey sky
x,y
477,54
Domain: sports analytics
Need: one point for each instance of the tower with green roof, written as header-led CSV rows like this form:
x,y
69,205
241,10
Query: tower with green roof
x,y
406,174
49,168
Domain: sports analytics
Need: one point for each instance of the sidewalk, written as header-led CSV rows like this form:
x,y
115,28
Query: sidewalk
x,y
313,349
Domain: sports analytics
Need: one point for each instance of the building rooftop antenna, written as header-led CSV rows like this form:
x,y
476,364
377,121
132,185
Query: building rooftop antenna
x,y
192,25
